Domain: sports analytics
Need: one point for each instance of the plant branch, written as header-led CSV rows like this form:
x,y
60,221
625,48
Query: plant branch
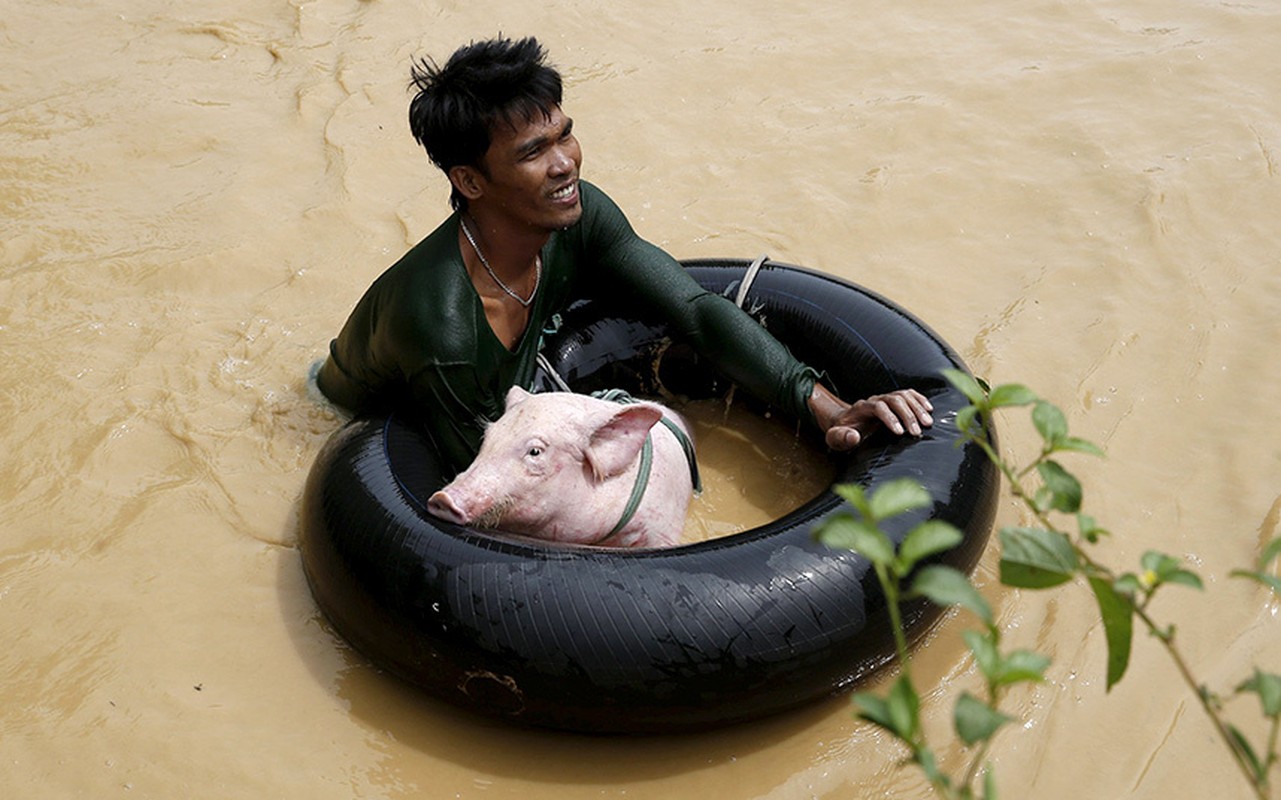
x,y
896,619
1140,610
1203,697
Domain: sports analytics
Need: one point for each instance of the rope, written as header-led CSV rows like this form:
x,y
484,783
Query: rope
x,y
555,376
638,488
748,278
647,460
621,396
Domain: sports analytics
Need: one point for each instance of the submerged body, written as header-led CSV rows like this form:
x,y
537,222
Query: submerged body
x,y
566,467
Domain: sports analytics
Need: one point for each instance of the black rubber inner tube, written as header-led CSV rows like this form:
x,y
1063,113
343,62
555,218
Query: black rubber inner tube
x,y
654,640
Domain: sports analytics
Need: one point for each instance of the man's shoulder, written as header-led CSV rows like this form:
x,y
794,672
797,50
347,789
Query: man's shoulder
x,y
441,245
424,288
602,219
594,198
430,264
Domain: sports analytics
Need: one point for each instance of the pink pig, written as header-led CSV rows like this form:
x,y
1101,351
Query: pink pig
x,y
563,467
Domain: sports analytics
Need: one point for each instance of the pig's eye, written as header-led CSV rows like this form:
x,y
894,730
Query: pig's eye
x,y
535,449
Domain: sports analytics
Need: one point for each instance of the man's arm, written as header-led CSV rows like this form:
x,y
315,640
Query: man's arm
x,y
739,346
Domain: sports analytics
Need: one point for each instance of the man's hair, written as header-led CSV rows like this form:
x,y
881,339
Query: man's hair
x,y
482,85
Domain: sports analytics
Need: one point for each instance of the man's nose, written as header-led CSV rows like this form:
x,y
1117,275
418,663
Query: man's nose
x,y
562,161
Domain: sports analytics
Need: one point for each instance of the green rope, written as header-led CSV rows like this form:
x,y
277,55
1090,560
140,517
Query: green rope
x,y
621,396
647,460
688,447
638,488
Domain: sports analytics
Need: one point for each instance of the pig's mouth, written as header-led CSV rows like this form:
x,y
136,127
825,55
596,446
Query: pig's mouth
x,y
493,516
442,505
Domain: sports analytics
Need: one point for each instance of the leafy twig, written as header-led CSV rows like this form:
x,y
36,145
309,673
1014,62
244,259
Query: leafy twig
x,y
1037,556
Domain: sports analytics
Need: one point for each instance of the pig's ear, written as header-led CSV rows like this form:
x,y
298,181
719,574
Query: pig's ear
x,y
617,442
516,395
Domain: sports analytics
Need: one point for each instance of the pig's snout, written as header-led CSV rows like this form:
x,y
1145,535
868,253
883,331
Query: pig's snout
x,y
443,506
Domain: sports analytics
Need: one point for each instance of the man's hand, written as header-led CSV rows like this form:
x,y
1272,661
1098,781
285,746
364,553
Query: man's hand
x,y
844,424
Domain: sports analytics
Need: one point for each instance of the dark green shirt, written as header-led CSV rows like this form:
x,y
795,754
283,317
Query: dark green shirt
x,y
420,330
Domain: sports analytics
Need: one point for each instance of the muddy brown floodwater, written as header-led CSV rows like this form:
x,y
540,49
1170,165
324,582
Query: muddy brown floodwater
x,y
1082,197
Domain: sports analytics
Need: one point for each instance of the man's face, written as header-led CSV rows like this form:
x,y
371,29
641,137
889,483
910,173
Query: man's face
x,y
533,171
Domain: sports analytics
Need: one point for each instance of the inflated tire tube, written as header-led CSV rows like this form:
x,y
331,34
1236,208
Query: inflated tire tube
x,y
652,640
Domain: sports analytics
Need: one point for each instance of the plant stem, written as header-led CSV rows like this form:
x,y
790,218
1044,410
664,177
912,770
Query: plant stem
x,y
972,772
1272,752
896,619
1203,698
1101,571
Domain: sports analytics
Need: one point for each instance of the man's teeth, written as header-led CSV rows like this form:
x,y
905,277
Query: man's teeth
x,y
561,194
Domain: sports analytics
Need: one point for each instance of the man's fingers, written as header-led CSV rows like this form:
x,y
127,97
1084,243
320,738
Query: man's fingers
x,y
903,411
842,437
896,412
922,405
920,399
907,409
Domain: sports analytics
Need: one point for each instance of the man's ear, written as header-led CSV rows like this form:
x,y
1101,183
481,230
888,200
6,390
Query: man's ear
x,y
467,181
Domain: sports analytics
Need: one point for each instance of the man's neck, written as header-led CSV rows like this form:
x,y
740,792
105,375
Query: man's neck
x,y
509,249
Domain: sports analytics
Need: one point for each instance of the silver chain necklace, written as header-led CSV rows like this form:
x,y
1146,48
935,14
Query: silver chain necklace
x,y
538,268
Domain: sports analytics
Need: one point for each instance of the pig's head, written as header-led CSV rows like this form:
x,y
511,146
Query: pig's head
x,y
544,465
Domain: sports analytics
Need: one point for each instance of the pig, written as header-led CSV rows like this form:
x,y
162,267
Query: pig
x,y
560,466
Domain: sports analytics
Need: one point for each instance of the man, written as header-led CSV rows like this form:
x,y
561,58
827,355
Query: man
x,y
456,322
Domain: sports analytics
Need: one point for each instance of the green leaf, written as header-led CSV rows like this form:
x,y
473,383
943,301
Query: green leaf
x,y
1044,499
946,586
1034,558
897,497
1075,445
1011,394
1168,569
1271,581
1127,585
1269,553
904,708
1064,486
1158,562
1268,687
1117,612
875,709
1049,422
929,765
1090,530
926,539
983,646
965,419
1023,665
975,720
843,531
1184,577
855,496
1244,748
835,530
989,783
967,385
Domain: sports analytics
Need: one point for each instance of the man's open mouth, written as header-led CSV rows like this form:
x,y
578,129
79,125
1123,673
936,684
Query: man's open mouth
x,y
565,192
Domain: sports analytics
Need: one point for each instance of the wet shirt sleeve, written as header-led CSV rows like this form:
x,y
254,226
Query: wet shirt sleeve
x,y
622,262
